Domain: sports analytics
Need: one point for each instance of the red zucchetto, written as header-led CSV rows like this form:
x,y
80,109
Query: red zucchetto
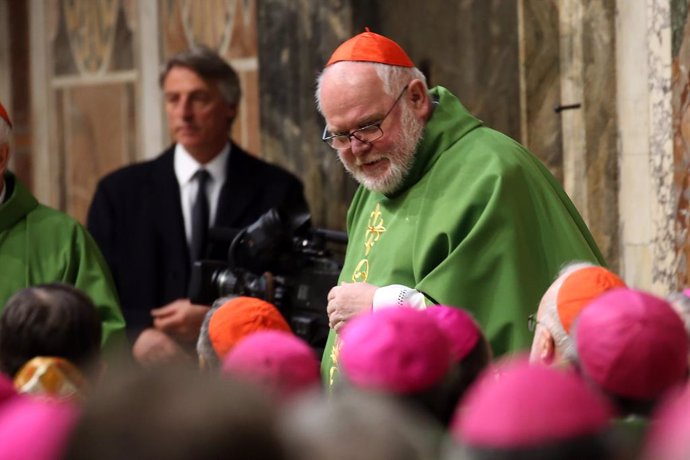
x,y
371,47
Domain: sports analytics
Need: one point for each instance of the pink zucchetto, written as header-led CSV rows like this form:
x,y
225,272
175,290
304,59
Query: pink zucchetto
x,y
279,361
394,350
371,47
460,328
669,433
517,405
35,429
632,344
7,390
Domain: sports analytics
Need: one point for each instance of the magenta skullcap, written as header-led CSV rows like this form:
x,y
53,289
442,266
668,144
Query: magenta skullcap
x,y
632,344
517,405
397,350
280,361
460,328
35,429
669,434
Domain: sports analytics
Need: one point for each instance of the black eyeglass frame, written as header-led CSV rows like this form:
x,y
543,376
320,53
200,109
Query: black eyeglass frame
x,y
330,139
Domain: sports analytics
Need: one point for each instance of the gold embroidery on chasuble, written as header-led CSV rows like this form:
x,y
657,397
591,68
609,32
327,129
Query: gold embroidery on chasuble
x,y
375,228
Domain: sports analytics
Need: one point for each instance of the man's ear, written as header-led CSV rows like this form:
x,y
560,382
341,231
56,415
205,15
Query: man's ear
x,y
419,98
231,113
547,347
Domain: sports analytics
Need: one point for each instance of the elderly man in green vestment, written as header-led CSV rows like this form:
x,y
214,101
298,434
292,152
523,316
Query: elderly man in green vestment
x,y
41,245
448,211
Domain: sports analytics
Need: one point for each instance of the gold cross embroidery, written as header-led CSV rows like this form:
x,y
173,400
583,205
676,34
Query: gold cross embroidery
x,y
374,229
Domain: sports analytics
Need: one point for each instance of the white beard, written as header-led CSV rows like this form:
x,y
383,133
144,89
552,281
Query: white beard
x,y
400,158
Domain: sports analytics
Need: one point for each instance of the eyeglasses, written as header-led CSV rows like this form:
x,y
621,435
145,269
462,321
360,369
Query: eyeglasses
x,y
532,322
366,134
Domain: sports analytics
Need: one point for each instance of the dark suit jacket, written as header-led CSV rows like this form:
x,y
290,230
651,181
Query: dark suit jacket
x,y
136,218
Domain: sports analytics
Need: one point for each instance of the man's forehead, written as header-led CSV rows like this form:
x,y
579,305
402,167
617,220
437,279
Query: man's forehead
x,y
343,74
349,99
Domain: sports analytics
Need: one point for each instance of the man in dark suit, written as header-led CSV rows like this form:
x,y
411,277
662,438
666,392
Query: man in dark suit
x,y
151,219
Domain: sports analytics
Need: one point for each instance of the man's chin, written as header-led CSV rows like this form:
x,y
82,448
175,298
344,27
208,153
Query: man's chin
x,y
190,140
385,184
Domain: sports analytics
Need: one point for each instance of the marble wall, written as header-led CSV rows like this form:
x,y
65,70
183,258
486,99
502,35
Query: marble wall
x,y
92,90
296,40
567,97
540,82
649,258
680,102
599,165
470,47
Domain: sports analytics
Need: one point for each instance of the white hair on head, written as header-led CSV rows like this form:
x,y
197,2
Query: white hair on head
x,y
393,78
551,321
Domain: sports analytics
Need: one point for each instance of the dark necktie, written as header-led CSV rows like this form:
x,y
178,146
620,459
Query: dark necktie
x,y
200,216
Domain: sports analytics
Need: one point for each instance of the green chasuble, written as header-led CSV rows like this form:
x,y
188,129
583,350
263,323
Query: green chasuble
x,y
41,245
478,223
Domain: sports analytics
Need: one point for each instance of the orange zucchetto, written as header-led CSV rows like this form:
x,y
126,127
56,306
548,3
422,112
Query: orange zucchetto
x,y
371,47
4,115
239,317
580,288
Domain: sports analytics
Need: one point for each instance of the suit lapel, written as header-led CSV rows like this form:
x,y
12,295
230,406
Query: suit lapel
x,y
238,190
167,211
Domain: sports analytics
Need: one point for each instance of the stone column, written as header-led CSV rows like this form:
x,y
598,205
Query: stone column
x,y
643,57
588,76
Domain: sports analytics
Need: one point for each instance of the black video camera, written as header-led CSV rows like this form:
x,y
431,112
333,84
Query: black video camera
x,y
279,258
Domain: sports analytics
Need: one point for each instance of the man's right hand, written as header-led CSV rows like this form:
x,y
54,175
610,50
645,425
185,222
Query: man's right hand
x,y
180,319
348,301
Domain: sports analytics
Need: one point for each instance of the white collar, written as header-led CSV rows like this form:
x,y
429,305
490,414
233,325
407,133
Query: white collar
x,y
186,166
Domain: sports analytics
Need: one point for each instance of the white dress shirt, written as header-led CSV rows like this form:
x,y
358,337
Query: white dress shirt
x,y
185,168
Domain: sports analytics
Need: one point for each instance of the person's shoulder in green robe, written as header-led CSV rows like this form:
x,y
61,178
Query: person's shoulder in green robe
x,y
41,245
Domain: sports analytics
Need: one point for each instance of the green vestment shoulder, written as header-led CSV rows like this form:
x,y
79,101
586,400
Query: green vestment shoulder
x,y
40,245
478,223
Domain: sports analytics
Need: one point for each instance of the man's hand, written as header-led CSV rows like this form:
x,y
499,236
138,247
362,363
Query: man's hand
x,y
347,301
180,319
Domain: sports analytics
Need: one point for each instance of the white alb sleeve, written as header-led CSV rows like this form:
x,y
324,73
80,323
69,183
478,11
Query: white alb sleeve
x,y
397,295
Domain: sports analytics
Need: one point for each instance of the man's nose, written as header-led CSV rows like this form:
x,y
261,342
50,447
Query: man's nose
x,y
359,147
184,108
